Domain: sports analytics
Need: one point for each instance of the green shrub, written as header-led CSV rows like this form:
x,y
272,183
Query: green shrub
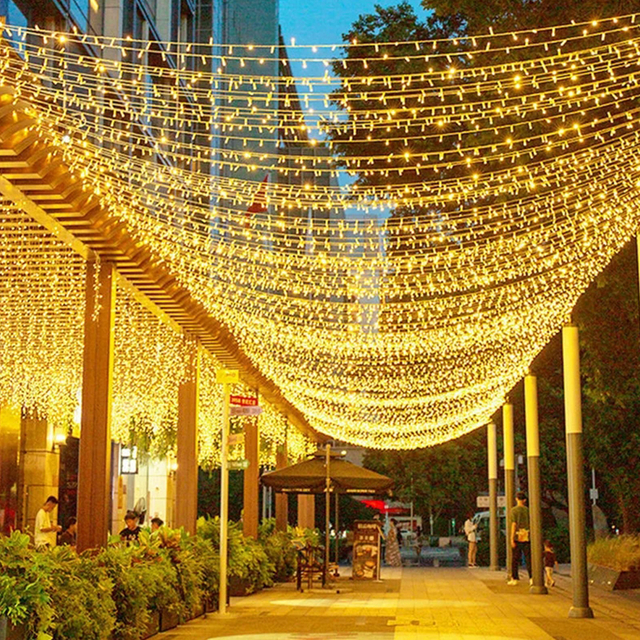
x,y
24,584
559,538
247,558
621,553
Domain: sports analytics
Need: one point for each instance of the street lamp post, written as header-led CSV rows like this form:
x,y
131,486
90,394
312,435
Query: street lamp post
x,y
573,426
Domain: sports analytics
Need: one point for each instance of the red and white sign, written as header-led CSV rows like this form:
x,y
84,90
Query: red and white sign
x,y
244,401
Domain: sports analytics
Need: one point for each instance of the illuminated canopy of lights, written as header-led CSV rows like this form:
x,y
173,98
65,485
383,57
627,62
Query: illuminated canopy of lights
x,y
42,293
513,158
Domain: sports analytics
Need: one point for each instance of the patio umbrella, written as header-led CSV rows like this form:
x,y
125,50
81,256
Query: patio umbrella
x,y
323,472
310,476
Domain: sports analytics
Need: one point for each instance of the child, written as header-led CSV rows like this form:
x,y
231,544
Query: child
x,y
549,563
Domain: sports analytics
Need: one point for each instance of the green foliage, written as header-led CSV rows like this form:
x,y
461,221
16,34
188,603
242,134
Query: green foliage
x,y
247,558
559,538
56,593
133,589
80,597
443,480
281,548
62,596
25,588
621,553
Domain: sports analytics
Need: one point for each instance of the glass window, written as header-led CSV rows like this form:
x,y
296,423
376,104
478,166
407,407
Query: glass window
x,y
79,11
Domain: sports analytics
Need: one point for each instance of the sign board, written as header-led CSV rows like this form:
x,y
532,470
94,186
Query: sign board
x,y
236,438
244,401
237,410
366,549
227,376
483,501
238,465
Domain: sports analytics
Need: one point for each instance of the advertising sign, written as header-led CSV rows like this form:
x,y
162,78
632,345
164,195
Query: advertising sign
x,y
366,549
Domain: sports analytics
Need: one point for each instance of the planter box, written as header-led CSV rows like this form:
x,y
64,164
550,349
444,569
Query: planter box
x,y
210,603
153,626
10,632
239,586
612,579
198,610
168,620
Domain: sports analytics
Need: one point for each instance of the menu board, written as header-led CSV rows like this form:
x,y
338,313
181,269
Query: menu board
x,y
366,549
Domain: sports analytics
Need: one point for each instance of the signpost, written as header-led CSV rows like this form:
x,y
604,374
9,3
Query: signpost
x,y
226,377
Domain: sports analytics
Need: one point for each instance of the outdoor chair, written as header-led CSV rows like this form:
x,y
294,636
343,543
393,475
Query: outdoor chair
x,y
310,565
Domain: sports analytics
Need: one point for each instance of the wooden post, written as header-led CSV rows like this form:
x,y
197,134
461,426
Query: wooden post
x,y
94,481
251,492
187,446
306,511
282,499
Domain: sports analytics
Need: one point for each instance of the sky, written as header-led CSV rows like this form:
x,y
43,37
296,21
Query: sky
x,y
324,21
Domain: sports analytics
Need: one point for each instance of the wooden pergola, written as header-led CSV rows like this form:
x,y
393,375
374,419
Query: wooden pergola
x,y
34,176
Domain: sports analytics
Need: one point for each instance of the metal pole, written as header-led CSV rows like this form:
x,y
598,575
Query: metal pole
x,y
509,472
533,472
327,513
226,377
492,446
573,426
337,499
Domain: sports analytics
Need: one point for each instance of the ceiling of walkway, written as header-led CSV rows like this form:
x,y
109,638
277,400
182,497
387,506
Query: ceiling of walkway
x,y
392,299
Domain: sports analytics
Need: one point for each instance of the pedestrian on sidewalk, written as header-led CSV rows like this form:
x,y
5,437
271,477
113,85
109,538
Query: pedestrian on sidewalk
x,y
550,562
392,553
45,532
470,528
519,536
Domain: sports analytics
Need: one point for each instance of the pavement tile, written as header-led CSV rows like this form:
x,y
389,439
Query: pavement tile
x,y
423,603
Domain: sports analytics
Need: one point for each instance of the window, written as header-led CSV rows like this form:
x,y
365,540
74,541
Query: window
x,y
128,460
79,12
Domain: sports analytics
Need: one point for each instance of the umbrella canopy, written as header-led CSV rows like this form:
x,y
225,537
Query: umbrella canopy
x,y
310,476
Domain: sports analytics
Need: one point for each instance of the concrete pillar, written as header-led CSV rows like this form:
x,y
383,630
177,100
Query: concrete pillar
x,y
282,499
492,448
186,510
94,477
509,472
39,467
251,491
575,473
306,511
533,473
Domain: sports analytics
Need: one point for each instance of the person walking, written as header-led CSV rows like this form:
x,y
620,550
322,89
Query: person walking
x,y
392,552
44,530
550,562
470,528
519,536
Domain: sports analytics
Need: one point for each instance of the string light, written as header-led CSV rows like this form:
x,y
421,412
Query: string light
x,y
511,156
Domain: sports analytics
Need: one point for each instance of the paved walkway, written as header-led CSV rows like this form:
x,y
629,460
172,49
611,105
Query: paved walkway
x,y
419,603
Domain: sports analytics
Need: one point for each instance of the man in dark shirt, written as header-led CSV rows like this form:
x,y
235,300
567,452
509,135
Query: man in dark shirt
x,y
519,535
68,537
131,532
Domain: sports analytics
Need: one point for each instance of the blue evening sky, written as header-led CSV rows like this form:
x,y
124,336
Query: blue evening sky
x,y
324,21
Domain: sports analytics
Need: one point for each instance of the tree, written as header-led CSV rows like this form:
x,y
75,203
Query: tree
x,y
607,313
442,481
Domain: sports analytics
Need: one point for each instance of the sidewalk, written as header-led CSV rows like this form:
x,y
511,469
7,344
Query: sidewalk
x,y
417,603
